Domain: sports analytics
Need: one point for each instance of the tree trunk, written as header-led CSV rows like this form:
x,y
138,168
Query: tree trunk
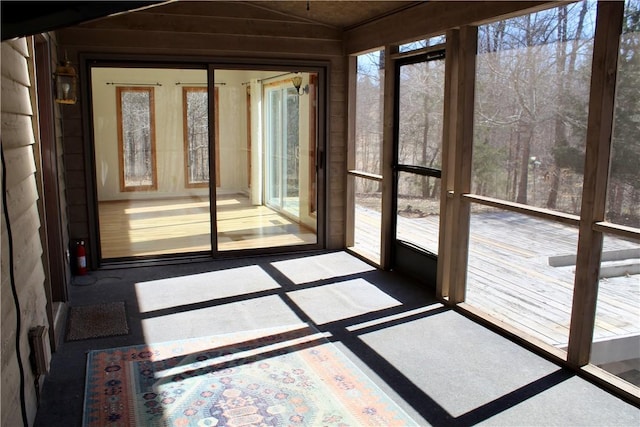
x,y
514,168
425,142
524,167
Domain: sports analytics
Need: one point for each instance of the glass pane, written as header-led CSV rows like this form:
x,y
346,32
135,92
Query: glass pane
x,y
418,216
368,218
291,200
157,213
274,146
197,134
623,197
521,271
616,336
369,110
136,137
532,90
419,44
267,197
420,114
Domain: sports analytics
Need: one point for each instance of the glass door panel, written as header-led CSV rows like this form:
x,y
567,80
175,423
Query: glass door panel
x,y
146,204
275,137
267,196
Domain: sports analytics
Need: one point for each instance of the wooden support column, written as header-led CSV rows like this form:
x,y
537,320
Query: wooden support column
x,y
596,170
456,181
388,149
350,204
443,278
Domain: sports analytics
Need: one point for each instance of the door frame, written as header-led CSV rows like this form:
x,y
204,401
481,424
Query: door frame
x,y
57,267
321,68
406,256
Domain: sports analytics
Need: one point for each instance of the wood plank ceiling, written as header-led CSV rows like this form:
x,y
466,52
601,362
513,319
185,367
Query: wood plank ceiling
x,y
20,18
342,14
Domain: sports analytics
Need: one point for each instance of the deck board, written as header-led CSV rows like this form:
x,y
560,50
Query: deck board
x,y
509,276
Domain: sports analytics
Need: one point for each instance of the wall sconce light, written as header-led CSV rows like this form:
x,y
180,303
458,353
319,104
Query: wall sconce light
x,y
66,78
297,83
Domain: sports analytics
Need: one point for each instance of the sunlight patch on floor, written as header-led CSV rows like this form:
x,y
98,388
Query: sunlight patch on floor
x,y
195,288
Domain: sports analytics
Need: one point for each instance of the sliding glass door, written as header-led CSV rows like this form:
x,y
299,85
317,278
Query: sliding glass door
x,y
267,195
283,147
192,161
151,161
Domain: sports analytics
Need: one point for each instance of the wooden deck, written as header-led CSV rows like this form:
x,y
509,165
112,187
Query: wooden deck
x,y
174,226
510,278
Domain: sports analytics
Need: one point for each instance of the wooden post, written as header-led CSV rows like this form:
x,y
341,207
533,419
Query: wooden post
x,y
443,278
388,148
596,170
459,90
350,202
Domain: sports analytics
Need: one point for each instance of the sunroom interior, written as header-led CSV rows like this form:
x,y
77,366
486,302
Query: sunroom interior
x,y
488,150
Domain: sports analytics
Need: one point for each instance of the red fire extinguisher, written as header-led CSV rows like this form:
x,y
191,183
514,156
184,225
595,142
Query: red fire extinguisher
x,y
81,257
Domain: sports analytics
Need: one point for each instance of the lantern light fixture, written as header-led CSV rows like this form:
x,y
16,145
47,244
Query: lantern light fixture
x,y
66,78
297,83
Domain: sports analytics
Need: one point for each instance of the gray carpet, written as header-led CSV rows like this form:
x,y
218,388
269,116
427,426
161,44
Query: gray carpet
x,y
439,366
98,320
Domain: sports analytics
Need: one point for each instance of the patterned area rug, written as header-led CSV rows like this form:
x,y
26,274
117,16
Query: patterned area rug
x,y
95,321
289,378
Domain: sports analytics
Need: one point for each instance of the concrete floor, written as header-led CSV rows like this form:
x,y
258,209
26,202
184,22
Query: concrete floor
x,y
440,367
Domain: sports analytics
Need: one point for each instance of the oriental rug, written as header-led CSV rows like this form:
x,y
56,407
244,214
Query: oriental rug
x,y
293,377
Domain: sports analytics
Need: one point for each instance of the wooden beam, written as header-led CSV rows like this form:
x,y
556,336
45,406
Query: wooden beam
x,y
618,230
387,237
443,275
534,211
226,9
179,42
198,24
596,171
350,202
433,18
462,138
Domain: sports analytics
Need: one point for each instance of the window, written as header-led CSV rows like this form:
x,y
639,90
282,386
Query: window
x,y
283,148
624,179
533,74
136,138
616,335
532,85
196,135
421,44
365,164
369,110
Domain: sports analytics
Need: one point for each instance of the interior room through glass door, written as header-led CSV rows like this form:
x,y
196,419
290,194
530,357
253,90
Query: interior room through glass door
x,y
152,161
267,195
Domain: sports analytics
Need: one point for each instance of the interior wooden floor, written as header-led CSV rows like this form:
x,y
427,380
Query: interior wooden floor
x,y
134,228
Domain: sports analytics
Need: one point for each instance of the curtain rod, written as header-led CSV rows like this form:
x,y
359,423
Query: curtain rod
x,y
199,83
135,84
273,77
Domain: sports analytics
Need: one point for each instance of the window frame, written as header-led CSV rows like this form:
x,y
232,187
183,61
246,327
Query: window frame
x,y
187,183
152,138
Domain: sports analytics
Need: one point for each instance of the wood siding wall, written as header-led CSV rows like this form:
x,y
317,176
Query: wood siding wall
x,y
211,30
22,196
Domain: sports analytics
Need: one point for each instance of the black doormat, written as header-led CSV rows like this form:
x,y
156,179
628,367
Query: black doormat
x,y
95,321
